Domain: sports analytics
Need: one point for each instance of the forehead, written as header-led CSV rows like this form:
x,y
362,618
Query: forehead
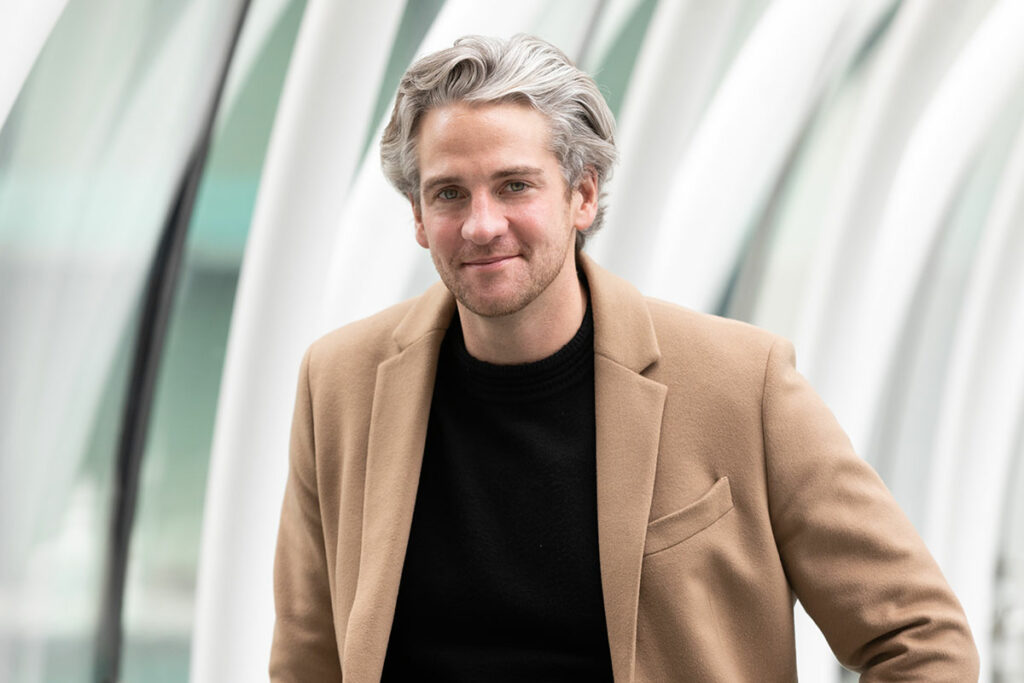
x,y
464,133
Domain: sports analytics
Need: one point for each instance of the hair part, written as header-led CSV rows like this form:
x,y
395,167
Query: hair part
x,y
523,69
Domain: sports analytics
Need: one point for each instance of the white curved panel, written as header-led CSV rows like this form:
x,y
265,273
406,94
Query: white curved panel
x,y
63,229
324,112
778,261
981,410
923,40
24,28
1007,659
941,148
687,47
376,261
261,19
567,24
115,106
614,15
735,158
903,442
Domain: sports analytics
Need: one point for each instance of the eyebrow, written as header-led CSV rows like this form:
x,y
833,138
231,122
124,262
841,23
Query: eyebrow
x,y
513,171
517,171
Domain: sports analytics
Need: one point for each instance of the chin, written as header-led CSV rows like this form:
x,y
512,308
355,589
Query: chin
x,y
492,308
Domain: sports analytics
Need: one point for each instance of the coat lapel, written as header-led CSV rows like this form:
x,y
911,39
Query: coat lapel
x,y
398,427
629,410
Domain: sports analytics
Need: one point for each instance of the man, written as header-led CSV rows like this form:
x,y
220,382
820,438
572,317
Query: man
x,y
532,472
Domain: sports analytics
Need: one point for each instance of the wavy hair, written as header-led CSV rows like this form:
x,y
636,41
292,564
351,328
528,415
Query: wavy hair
x,y
523,69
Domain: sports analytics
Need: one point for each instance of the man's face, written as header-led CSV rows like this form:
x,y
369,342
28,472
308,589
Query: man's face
x,y
494,209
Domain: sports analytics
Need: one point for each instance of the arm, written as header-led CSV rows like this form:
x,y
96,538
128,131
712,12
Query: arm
x,y
304,646
852,557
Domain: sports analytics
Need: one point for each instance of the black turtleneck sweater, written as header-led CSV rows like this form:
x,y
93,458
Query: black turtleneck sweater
x,y
501,580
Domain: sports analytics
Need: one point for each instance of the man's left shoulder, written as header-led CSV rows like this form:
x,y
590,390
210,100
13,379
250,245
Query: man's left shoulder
x,y
724,344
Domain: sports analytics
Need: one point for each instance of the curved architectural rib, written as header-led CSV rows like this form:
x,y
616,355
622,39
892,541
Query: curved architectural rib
x,y
687,48
264,16
745,138
24,27
922,41
321,123
613,16
940,150
982,405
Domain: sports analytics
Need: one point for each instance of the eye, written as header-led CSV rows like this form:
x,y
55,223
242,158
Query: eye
x,y
448,194
516,186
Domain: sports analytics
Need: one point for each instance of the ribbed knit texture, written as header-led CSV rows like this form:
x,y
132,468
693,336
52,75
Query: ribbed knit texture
x,y
501,580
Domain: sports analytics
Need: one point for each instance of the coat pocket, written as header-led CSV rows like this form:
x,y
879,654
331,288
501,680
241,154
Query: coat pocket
x,y
676,527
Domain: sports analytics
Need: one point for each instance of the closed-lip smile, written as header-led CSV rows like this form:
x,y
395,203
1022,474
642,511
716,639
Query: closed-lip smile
x,y
488,260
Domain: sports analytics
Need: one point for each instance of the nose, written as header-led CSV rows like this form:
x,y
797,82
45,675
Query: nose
x,y
485,221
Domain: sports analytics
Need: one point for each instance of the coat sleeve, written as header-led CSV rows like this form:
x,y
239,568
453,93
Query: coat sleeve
x,y
853,559
304,646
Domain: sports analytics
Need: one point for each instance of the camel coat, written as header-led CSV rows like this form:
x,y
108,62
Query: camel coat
x,y
725,489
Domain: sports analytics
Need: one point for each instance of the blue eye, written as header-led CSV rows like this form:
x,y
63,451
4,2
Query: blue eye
x,y
448,193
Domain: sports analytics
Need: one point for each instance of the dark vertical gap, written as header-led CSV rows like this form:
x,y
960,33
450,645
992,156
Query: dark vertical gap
x,y
158,297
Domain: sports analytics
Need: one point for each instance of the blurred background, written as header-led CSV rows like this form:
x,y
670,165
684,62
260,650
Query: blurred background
x,y
190,193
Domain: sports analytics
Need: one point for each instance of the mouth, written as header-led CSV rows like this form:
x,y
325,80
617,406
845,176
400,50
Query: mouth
x,y
488,262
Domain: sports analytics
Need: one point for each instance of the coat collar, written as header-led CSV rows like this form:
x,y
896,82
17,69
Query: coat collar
x,y
628,412
432,311
623,331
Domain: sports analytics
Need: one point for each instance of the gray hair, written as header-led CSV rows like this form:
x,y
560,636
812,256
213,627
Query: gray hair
x,y
483,70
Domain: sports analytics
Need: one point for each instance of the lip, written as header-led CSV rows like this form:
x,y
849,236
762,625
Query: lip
x,y
489,263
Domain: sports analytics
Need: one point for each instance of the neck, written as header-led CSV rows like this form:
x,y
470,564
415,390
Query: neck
x,y
536,332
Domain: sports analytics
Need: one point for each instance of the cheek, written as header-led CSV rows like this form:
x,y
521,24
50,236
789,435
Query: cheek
x,y
441,233
536,220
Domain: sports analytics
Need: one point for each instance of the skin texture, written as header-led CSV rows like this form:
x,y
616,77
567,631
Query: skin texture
x,y
500,224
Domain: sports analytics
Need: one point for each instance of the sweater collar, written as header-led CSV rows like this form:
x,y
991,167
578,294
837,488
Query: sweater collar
x,y
623,330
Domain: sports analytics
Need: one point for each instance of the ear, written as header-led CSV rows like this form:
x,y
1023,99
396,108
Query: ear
x,y
417,216
585,200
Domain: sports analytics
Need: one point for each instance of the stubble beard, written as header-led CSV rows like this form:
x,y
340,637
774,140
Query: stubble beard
x,y
539,274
